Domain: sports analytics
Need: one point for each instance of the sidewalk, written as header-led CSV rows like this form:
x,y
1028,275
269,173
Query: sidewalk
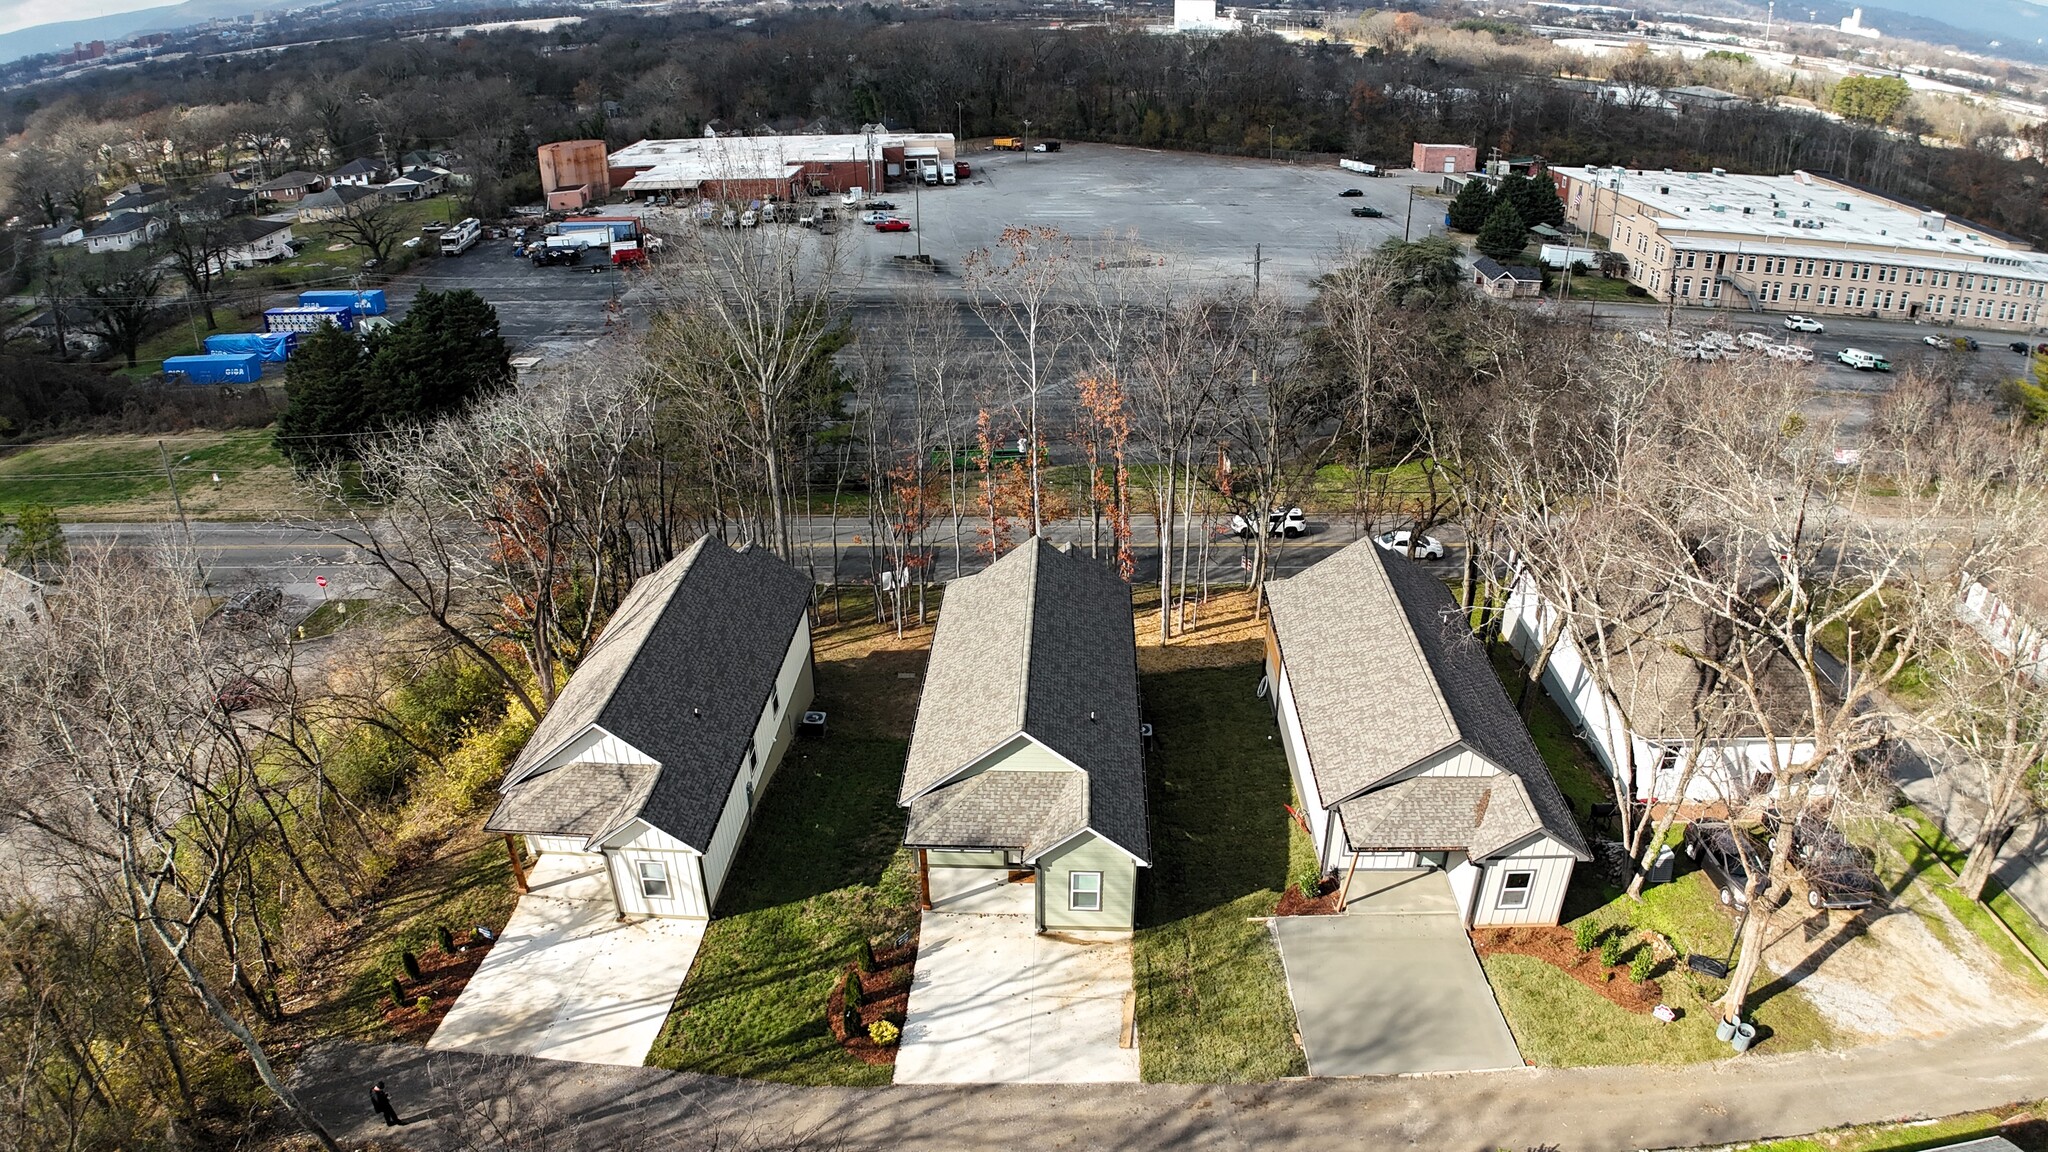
x,y
1755,1097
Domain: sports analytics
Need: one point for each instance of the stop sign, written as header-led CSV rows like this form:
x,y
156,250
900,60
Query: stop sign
x,y
320,580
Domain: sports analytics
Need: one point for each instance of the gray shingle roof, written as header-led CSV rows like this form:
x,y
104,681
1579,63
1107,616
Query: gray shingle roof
x,y
1386,675
1028,811
584,799
1431,813
1040,643
1493,269
121,225
682,673
288,181
1667,694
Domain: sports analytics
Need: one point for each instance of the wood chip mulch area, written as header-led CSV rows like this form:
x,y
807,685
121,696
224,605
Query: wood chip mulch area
x,y
884,995
1555,947
443,977
1293,903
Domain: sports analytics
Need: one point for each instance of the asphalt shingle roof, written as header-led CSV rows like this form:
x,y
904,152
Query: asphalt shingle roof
x,y
1028,811
1385,675
681,674
1667,694
1040,643
584,799
121,225
288,181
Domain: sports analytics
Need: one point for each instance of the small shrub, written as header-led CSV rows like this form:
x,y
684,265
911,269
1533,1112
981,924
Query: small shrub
x,y
866,959
1635,290
425,1004
447,939
1585,934
851,1022
884,1033
397,991
412,965
1610,950
1641,963
853,992
1310,881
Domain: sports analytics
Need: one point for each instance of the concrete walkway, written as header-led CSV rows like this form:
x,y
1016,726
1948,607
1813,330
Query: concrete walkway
x,y
1392,985
994,1002
451,1096
566,980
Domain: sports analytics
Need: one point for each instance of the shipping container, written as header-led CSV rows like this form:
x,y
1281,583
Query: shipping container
x,y
307,318
216,368
367,302
274,347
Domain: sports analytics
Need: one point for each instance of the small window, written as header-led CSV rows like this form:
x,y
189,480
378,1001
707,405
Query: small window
x,y
1084,891
654,879
1514,889
774,700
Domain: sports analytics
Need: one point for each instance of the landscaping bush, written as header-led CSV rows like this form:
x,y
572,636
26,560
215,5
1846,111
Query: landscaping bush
x,y
1610,948
447,939
866,959
884,1033
853,993
412,965
424,1004
1585,934
397,993
1310,881
851,1023
1640,965
1635,290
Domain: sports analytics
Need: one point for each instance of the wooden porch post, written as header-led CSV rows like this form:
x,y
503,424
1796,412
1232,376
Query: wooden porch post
x,y
924,882
518,869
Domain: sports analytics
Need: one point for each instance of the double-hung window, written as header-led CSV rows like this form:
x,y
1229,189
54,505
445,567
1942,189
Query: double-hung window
x,y
1514,890
1084,891
653,879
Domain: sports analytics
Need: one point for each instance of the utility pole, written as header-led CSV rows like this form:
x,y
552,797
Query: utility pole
x,y
1258,259
1410,219
1027,141
178,502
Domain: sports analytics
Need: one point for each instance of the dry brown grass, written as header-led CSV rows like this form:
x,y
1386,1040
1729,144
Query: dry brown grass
x,y
1223,634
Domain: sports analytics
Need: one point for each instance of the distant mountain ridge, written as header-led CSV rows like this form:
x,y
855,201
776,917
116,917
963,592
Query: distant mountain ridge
x,y
59,37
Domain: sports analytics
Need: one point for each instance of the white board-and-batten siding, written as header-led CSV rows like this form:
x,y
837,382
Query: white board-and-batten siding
x,y
1552,865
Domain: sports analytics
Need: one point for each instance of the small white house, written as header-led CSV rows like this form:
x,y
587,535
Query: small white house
x,y
2004,612
247,241
1657,712
1404,750
654,756
123,233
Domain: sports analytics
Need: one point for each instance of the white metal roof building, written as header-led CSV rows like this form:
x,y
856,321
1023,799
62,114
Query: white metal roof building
x,y
1805,243
692,164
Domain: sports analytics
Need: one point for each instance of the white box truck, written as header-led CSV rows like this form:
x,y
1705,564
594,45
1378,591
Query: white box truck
x,y
929,170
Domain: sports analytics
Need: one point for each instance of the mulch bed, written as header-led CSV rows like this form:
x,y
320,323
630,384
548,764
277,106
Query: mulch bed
x,y
1555,947
1323,903
442,977
884,995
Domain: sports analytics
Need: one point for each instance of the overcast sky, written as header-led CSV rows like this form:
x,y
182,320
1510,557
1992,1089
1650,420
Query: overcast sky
x,y
18,14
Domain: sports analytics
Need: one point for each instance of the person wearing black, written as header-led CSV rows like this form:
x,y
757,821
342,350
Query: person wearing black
x,y
382,1103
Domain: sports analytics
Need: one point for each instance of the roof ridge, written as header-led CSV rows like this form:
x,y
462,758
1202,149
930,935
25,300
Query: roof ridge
x,y
1026,633
1382,560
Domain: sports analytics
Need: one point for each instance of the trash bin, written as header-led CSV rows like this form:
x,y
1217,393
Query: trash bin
x,y
1664,867
1724,1031
1745,1035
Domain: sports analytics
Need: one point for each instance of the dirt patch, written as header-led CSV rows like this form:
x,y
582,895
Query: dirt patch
x,y
442,979
1906,969
885,995
1555,947
1323,903
1221,633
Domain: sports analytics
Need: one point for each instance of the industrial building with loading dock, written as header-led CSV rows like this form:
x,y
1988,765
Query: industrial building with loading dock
x,y
739,168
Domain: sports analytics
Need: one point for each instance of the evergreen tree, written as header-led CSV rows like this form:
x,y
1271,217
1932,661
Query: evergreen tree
x,y
1469,210
1539,203
35,545
446,353
324,402
1503,235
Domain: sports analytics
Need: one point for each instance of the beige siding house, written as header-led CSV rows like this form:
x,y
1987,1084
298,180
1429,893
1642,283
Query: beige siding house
x,y
1027,763
656,753
1404,750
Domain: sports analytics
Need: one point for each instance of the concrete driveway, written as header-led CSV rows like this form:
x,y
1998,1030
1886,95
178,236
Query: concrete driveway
x,y
566,980
1392,985
996,1003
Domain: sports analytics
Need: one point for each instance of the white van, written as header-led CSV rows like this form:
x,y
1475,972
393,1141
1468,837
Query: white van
x,y
929,170
947,175
1863,361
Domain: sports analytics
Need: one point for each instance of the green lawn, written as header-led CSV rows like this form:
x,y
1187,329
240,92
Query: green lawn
x,y
1595,287
822,867
1211,996
1578,775
126,473
315,265
2016,1122
1559,1022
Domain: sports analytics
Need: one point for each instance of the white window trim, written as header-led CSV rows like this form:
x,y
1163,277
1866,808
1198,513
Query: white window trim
x,y
648,883
1512,898
1075,892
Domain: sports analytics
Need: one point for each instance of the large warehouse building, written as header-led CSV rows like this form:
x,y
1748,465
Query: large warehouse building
x,y
1805,243
737,168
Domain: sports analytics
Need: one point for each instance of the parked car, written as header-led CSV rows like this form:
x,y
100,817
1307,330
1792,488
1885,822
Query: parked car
x,y
1046,146
749,218
1754,340
1352,192
1288,522
1792,352
1426,547
250,607
874,216
1863,361
240,694
879,206
892,224
1803,324
1840,877
1728,855
1935,341
1367,211
1650,338
2019,346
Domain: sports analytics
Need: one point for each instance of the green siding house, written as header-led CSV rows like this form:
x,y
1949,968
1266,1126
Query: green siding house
x,y
1027,764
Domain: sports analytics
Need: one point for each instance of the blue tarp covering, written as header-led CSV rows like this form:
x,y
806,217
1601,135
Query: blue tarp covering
x,y
274,347
368,302
216,368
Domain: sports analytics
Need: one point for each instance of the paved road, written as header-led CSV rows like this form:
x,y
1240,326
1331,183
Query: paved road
x,y
243,554
1754,1097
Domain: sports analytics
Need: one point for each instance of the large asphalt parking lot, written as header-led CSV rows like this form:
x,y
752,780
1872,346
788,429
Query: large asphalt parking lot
x,y
539,309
